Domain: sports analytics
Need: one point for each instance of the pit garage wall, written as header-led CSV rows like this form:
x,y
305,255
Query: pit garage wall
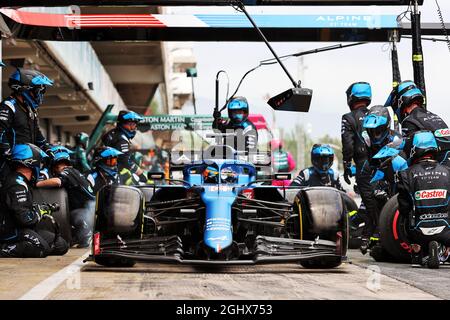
x,y
80,61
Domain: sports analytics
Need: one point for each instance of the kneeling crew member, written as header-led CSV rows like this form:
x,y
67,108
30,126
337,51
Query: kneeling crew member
x,y
120,138
81,197
424,191
23,232
105,168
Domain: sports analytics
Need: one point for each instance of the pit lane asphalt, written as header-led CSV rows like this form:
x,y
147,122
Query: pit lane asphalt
x,y
61,278
435,282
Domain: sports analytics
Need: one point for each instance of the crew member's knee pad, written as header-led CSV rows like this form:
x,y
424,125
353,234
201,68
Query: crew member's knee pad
x,y
60,247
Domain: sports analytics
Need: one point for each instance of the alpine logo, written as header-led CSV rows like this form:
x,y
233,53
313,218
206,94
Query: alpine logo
x,y
431,194
442,133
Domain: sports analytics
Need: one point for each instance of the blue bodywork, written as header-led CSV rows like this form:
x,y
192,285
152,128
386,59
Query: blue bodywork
x,y
219,196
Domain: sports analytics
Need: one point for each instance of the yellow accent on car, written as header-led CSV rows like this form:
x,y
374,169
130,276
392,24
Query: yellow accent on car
x,y
297,201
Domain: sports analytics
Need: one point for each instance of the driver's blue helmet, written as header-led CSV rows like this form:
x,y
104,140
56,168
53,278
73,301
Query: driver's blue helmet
x,y
210,174
322,157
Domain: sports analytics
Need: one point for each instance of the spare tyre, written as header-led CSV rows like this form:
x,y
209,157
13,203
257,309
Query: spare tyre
x,y
393,232
62,216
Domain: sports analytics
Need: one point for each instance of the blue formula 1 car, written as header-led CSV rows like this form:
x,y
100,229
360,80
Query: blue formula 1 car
x,y
220,214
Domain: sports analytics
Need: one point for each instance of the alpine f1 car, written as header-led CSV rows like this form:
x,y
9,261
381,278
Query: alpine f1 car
x,y
219,214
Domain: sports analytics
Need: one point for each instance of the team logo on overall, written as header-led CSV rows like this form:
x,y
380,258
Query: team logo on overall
x,y
431,194
442,133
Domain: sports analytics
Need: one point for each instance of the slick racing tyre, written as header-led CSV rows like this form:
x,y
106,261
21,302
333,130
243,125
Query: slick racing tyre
x,y
393,232
353,222
322,214
114,262
62,216
290,193
323,263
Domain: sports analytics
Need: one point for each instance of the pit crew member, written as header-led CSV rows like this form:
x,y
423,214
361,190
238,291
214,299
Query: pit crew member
x,y
24,231
424,191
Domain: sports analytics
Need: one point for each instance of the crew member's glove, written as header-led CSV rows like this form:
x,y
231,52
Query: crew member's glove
x,y
356,189
143,178
349,171
46,209
218,122
381,195
216,114
5,150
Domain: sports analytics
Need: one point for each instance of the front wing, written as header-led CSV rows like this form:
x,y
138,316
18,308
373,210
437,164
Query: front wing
x,y
268,250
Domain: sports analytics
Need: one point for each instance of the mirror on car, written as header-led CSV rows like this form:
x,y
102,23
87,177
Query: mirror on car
x,y
155,175
282,176
296,99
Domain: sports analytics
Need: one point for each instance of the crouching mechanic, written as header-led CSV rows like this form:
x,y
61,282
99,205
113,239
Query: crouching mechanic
x,y
377,135
81,199
26,230
414,117
320,174
423,198
120,138
105,168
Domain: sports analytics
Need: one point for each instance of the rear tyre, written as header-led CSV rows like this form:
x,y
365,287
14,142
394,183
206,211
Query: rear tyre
x,y
115,262
433,255
323,263
393,232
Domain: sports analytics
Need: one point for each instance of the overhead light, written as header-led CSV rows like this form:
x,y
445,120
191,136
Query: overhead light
x,y
295,99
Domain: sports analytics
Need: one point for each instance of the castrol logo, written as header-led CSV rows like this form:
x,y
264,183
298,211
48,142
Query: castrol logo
x,y
442,133
431,194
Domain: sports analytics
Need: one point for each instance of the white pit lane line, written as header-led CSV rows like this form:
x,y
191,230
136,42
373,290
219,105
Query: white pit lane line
x,y
45,287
